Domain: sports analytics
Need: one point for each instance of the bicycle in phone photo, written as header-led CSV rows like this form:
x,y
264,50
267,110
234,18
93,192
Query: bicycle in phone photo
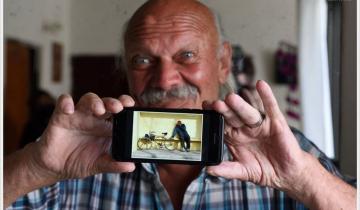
x,y
153,141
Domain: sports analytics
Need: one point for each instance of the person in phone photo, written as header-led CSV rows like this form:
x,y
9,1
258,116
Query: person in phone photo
x,y
184,137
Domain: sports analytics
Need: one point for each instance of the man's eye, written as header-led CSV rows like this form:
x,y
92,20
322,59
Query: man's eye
x,y
187,54
141,61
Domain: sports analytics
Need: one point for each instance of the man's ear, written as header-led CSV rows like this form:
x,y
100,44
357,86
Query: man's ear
x,y
225,62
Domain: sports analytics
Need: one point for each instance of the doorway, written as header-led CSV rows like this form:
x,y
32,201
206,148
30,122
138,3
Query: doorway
x,y
21,80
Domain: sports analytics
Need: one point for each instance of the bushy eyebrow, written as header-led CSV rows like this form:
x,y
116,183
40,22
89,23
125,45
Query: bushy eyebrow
x,y
190,49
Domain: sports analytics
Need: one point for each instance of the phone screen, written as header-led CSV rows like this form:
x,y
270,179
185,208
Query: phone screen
x,y
182,136
171,136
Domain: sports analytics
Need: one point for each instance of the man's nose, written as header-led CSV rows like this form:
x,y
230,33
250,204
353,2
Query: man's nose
x,y
166,75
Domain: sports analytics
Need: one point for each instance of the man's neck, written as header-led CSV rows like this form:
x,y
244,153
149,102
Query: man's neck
x,y
176,179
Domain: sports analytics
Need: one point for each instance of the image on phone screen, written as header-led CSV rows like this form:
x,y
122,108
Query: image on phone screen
x,y
171,136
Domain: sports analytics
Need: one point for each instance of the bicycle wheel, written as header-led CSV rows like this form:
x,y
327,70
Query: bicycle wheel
x,y
170,145
144,144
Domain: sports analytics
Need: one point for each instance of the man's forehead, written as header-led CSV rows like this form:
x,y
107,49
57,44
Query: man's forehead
x,y
152,25
165,16
182,31
183,34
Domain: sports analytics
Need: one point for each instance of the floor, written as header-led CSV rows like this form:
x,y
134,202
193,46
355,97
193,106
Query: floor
x,y
167,154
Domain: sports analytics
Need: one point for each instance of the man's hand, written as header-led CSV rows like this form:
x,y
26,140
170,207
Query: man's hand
x,y
268,154
265,155
75,144
77,140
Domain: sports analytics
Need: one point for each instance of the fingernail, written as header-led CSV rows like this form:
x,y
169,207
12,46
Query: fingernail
x,y
99,107
68,109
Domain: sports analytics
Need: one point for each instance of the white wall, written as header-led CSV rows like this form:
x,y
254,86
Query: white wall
x,y
96,26
23,21
258,25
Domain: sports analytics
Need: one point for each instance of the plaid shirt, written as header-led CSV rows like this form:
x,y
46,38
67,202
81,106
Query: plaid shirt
x,y
142,189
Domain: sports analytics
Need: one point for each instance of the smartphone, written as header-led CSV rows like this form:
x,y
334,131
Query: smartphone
x,y
180,136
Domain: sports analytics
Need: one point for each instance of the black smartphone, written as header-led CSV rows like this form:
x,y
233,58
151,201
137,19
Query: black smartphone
x,y
183,136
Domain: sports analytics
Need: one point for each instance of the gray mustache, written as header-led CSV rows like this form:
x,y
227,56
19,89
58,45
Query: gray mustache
x,y
157,95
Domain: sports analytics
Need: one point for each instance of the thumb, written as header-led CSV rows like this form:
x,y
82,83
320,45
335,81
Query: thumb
x,y
106,164
229,170
64,104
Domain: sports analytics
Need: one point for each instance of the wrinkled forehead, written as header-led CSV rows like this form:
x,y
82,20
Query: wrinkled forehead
x,y
160,19
153,26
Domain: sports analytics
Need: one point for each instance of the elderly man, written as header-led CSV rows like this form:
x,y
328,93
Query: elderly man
x,y
174,58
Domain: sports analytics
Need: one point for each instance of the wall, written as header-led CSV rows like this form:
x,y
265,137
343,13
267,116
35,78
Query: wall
x,y
258,26
23,21
99,32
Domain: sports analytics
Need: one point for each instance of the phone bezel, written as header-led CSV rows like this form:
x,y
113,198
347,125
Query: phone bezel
x,y
212,143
